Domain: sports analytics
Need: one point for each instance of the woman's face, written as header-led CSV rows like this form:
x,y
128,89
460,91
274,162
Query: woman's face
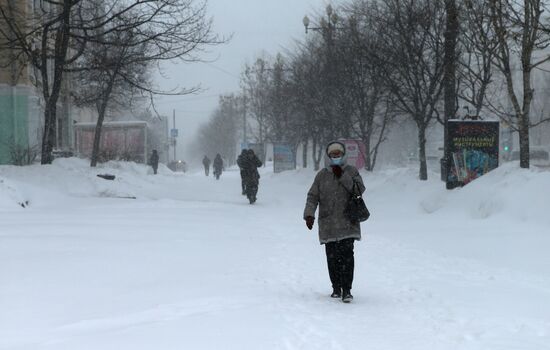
x,y
335,154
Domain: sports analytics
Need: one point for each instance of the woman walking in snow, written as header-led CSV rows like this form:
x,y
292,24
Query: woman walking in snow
x,y
331,191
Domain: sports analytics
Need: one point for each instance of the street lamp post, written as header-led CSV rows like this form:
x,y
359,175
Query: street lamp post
x,y
245,142
329,23
326,26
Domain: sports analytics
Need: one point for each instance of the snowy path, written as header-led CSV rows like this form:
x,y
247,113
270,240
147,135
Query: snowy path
x,y
193,266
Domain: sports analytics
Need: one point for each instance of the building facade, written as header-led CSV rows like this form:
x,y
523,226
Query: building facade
x,y
21,100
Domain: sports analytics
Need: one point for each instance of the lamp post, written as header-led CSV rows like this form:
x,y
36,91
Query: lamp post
x,y
329,23
245,139
326,26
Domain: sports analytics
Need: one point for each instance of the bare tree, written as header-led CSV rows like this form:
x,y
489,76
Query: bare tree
x,y
306,80
219,134
413,61
365,79
521,31
100,82
255,86
478,44
43,39
118,60
54,37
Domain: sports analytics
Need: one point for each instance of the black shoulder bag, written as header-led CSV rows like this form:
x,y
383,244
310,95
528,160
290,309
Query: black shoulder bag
x,y
356,209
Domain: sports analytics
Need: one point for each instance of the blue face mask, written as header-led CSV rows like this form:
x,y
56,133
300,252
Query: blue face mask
x,y
336,161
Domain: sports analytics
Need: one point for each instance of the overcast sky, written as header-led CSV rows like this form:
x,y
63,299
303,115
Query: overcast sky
x,y
256,26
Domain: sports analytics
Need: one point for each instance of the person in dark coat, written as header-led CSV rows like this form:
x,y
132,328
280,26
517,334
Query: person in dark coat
x,y
154,161
218,166
249,163
240,163
331,192
206,163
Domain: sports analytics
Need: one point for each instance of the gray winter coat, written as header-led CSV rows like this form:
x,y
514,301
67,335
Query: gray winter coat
x,y
332,195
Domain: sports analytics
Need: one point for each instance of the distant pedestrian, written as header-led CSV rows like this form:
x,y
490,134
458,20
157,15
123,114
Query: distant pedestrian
x,y
331,191
249,163
218,166
240,163
154,161
206,163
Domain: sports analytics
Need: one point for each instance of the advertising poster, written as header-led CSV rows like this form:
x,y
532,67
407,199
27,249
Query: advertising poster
x,y
283,157
355,151
118,141
473,148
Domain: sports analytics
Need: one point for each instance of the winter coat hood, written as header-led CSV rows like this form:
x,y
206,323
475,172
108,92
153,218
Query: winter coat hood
x,y
338,145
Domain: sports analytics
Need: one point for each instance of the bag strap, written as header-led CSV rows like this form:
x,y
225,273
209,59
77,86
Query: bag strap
x,y
353,192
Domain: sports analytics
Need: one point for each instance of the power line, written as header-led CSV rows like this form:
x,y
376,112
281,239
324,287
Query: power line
x,y
195,98
223,70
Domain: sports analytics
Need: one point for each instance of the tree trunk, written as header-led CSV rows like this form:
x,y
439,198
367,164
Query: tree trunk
x,y
378,142
295,153
48,138
304,153
423,173
314,154
524,156
367,156
524,118
318,157
97,134
449,64
367,142
51,97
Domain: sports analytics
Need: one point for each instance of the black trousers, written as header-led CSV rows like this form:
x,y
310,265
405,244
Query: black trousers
x,y
243,181
340,262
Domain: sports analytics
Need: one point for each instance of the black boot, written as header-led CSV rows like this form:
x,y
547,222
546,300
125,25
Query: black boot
x,y
336,293
346,296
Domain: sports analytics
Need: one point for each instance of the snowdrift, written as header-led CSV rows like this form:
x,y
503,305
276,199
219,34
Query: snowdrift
x,y
508,192
66,178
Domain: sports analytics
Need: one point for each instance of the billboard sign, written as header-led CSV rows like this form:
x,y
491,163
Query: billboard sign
x,y
119,140
473,147
283,157
355,152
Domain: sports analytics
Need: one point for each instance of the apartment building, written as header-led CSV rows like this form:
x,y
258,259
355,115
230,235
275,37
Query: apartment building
x,y
21,101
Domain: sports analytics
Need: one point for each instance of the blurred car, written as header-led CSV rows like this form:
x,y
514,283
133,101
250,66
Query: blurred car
x,y
178,166
535,153
538,155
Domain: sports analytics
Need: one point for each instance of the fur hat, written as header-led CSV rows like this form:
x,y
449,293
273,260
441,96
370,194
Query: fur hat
x,y
336,146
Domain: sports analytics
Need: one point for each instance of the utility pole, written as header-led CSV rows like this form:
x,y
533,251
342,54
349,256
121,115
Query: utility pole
x,y
244,123
173,136
449,80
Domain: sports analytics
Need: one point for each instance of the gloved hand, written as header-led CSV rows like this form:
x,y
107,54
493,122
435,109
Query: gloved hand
x,y
309,222
337,170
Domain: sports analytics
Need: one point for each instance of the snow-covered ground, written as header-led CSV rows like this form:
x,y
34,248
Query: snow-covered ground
x,y
189,264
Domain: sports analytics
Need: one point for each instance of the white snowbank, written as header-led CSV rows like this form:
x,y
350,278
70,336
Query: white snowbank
x,y
65,178
508,192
